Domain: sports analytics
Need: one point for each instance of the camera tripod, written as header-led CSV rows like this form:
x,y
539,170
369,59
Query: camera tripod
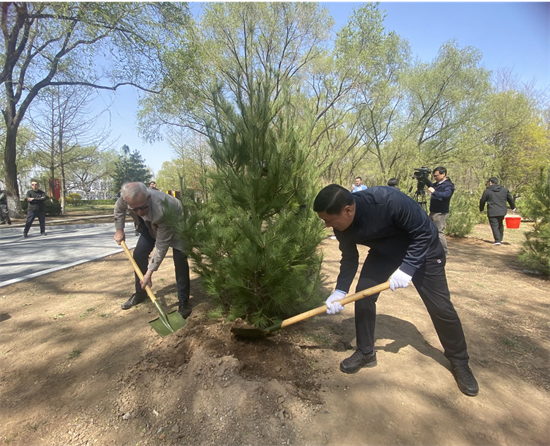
x,y
420,198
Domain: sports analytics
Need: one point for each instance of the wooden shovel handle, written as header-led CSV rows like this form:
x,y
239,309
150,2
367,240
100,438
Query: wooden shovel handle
x,y
346,300
137,270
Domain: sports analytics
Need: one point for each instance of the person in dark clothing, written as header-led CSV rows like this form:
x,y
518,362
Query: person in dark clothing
x,y
441,192
4,214
37,208
496,197
393,182
404,246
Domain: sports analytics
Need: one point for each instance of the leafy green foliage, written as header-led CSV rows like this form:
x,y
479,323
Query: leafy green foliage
x,y
463,214
73,199
255,241
535,252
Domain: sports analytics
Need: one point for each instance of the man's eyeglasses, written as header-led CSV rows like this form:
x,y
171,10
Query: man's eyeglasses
x,y
139,208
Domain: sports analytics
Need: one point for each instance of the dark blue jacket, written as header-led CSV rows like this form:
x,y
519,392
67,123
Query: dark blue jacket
x,y
390,223
441,198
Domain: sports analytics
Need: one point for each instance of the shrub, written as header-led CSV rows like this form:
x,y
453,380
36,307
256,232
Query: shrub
x,y
463,214
73,199
53,207
535,252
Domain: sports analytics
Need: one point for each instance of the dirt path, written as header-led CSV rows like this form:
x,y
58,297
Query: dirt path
x,y
76,370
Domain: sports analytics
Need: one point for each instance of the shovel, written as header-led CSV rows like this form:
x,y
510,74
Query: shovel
x,y
256,333
165,324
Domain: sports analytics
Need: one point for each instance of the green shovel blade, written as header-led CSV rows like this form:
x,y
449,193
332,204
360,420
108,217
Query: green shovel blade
x,y
167,324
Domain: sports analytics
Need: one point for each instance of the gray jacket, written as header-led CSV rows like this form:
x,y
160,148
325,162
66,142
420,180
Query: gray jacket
x,y
162,233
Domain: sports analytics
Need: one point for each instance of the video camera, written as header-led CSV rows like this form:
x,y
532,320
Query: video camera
x,y
422,176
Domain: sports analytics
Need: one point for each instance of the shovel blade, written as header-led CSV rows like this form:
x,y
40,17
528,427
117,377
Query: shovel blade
x,y
175,322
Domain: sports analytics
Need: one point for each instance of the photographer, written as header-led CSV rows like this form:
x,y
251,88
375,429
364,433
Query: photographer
x,y
441,192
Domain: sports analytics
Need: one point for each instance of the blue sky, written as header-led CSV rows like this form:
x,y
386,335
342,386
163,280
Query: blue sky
x,y
512,35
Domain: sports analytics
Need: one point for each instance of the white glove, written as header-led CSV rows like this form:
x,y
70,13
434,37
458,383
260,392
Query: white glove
x,y
333,308
399,279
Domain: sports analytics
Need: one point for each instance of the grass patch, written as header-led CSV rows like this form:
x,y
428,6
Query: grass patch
x,y
318,338
216,313
510,343
87,312
74,354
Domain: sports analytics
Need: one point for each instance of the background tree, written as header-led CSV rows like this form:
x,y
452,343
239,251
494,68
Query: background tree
x,y
130,167
66,132
90,170
194,155
536,247
49,44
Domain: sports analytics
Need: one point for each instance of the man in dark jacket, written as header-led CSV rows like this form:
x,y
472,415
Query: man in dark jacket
x,y
404,246
37,208
441,192
4,214
496,197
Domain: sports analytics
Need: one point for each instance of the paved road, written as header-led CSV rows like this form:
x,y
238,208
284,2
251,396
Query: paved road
x,y
63,247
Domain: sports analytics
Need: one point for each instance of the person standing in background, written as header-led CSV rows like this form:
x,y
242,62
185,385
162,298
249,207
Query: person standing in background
x,y
37,208
358,186
393,182
441,192
496,197
4,214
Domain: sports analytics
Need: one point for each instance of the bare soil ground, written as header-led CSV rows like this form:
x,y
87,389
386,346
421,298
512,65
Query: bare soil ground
x,y
77,370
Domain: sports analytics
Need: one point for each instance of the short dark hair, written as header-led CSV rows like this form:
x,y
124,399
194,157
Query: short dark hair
x,y
393,182
493,180
35,181
332,199
440,169
359,178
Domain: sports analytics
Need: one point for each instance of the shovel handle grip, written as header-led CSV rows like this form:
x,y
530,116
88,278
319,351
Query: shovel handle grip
x,y
137,270
346,300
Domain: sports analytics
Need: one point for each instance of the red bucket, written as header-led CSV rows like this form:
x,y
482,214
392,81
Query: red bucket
x,y
513,221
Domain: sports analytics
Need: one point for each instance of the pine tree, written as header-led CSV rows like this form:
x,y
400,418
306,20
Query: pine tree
x,y
130,167
535,252
255,241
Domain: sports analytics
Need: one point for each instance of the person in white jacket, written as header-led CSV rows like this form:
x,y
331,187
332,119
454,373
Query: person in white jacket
x,y
147,206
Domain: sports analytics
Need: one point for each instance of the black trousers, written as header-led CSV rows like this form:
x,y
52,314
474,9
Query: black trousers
x,y
31,215
431,283
497,226
143,249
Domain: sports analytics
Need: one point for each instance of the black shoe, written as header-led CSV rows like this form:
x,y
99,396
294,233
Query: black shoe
x,y
357,361
43,233
185,309
133,301
25,235
465,379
